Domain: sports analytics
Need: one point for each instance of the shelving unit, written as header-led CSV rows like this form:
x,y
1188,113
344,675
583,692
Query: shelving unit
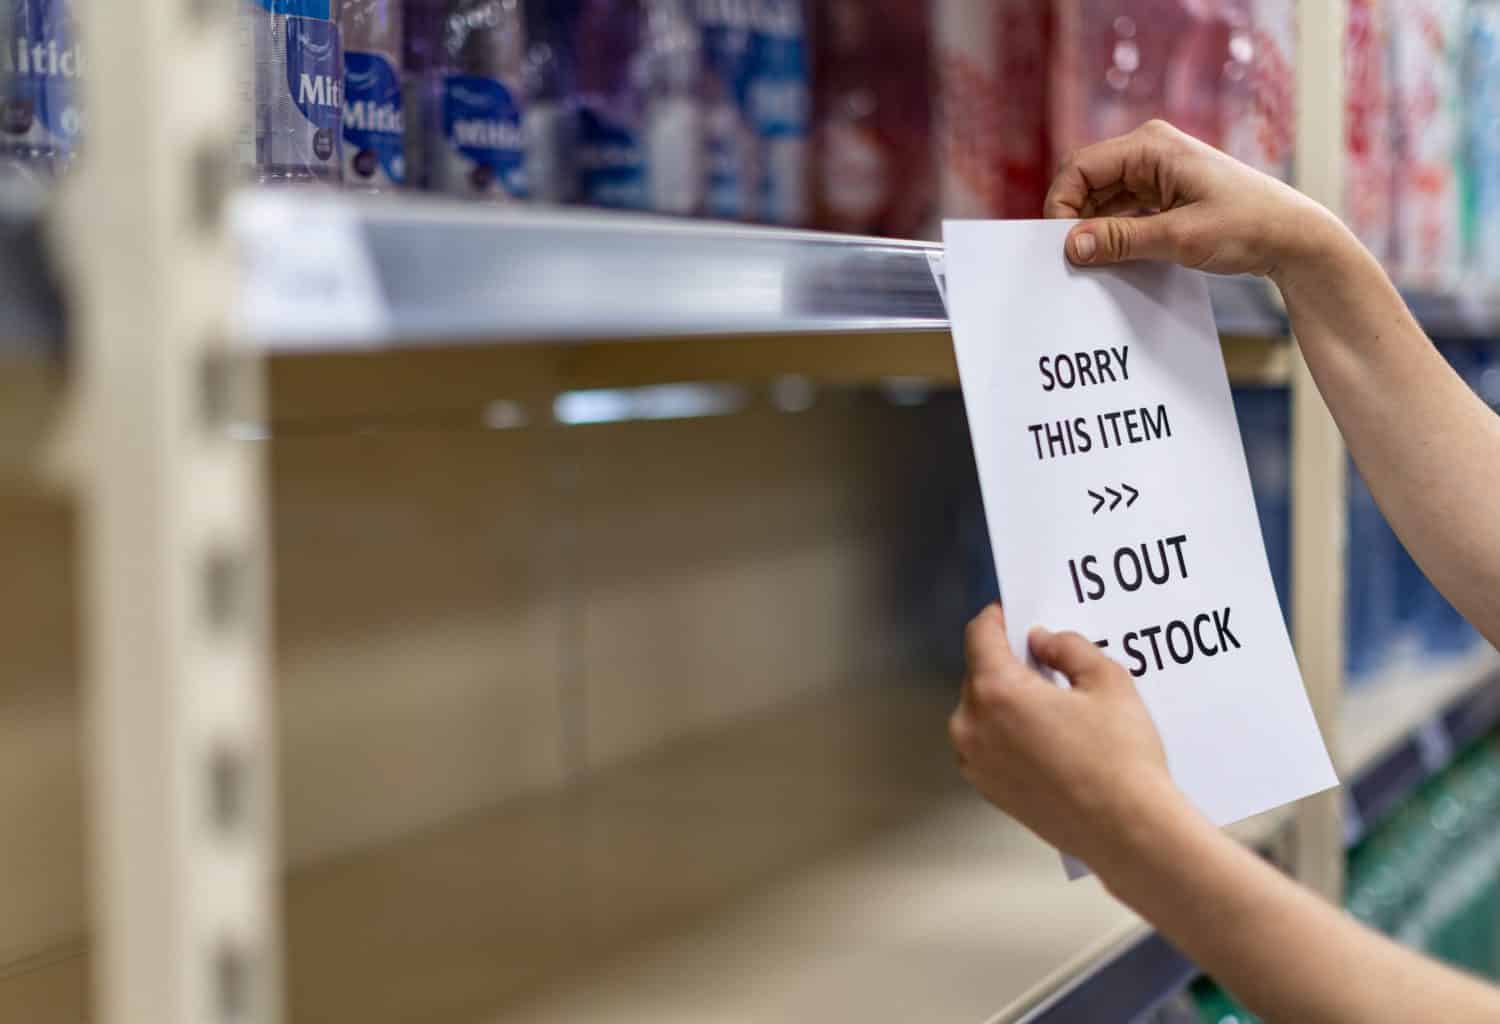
x,y
439,540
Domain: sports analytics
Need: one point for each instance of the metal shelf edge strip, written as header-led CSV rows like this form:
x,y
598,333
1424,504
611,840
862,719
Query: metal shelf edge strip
x,y
446,273
1132,984
1425,752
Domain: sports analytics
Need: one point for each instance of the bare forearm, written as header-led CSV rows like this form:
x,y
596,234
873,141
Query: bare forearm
x,y
1426,445
1288,955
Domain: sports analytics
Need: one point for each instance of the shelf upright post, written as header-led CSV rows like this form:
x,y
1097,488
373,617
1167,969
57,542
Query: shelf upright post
x,y
173,550
1318,461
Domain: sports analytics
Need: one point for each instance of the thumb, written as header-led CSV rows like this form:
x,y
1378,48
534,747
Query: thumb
x,y
1074,655
1107,240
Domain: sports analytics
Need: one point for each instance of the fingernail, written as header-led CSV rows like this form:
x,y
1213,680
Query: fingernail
x,y
1040,635
1084,246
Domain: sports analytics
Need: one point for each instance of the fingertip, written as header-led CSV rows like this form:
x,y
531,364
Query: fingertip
x,y
985,641
1083,247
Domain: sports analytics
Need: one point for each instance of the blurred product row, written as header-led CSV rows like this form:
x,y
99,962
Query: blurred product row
x,y
865,116
1429,876
1393,615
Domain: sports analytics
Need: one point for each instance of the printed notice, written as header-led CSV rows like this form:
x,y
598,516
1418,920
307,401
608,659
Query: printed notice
x,y
1119,504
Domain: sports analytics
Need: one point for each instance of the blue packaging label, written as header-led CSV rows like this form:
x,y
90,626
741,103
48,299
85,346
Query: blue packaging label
x,y
299,95
1482,147
314,74
779,99
374,121
319,9
728,58
483,148
779,104
611,162
728,46
41,67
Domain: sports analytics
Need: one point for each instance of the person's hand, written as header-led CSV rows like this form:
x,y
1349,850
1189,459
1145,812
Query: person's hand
x,y
1160,194
1082,768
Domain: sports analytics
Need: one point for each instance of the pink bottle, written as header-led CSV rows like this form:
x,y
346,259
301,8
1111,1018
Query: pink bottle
x,y
1232,81
1369,153
992,130
1220,70
1110,71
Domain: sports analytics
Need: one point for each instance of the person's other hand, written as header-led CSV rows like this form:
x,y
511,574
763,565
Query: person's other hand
x,y
1160,194
1082,768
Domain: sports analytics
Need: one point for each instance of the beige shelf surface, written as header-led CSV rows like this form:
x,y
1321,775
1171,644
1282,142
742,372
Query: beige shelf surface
x,y
948,918
821,862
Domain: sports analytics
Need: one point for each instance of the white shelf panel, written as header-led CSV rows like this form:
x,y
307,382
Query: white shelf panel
x,y
448,272
328,272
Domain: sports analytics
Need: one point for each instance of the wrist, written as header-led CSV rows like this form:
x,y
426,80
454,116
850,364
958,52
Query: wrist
x,y
1153,828
1308,244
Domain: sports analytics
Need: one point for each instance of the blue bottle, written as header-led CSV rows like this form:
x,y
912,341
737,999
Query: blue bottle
x,y
731,145
611,159
1481,136
1370,600
671,62
298,88
1265,431
549,123
374,107
780,107
472,100
640,118
41,69
1445,632
423,30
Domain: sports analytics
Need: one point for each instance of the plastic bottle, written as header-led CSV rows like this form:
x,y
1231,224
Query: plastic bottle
x,y
41,66
374,107
1370,610
874,171
299,89
1230,83
1201,64
550,124
1112,66
1445,632
1482,136
780,106
1370,157
673,62
423,24
611,157
1425,48
992,119
640,123
1265,430
472,98
1259,88
729,137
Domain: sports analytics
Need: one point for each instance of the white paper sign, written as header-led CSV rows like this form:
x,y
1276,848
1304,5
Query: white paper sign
x,y
1119,504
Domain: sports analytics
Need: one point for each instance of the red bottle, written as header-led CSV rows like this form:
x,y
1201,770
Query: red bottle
x,y
872,118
